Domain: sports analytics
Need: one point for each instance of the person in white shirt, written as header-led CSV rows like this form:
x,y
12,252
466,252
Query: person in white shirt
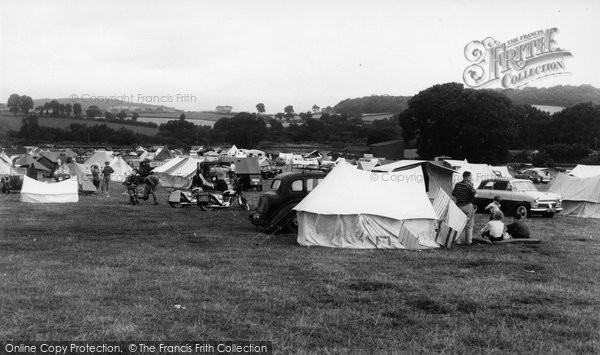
x,y
494,229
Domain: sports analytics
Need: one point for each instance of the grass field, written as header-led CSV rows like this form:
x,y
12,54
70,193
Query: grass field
x,y
104,270
12,122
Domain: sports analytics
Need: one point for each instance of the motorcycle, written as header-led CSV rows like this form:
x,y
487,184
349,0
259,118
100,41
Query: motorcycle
x,y
134,197
208,200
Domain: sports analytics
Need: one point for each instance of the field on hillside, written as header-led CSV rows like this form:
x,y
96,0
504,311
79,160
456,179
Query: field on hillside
x,y
105,270
12,122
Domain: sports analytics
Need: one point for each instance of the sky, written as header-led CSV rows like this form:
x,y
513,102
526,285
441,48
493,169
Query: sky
x,y
195,55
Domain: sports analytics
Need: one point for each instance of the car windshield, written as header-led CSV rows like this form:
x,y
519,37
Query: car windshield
x,y
275,184
523,186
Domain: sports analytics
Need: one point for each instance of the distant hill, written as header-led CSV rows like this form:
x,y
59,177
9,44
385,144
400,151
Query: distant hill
x,y
561,95
107,104
373,104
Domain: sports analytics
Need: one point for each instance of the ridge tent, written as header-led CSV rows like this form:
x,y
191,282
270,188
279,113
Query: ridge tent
x,y
7,169
84,180
352,208
179,175
233,151
163,153
583,171
121,168
367,165
434,176
479,172
581,195
34,191
168,165
502,170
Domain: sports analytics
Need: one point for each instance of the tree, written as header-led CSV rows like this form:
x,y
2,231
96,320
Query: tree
x,y
384,130
13,103
47,107
77,109
328,110
109,116
25,104
315,109
289,111
260,108
182,117
68,109
55,106
122,115
464,123
93,111
134,116
61,110
279,115
40,109
246,130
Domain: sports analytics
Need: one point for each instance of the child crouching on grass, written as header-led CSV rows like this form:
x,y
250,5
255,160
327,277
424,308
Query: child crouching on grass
x,y
494,229
518,229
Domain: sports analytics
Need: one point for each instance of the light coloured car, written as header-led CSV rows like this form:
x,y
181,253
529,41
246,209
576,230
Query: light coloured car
x,y
518,195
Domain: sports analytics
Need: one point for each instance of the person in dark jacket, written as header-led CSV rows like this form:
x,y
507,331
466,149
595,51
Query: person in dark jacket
x,y
463,195
518,229
151,182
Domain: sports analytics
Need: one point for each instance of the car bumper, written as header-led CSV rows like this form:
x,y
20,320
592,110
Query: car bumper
x,y
545,209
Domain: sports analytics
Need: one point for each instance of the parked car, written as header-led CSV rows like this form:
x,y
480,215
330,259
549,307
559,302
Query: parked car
x,y
269,171
537,175
274,210
518,195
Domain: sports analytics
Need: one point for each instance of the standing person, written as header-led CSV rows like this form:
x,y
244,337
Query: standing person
x,y
463,195
96,177
151,181
106,172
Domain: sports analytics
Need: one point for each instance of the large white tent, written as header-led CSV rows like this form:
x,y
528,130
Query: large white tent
x,y
34,191
352,208
434,176
583,171
581,195
179,175
121,168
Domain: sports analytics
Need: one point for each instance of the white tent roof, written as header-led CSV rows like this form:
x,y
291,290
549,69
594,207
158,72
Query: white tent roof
x,y
99,157
398,164
7,169
232,152
457,163
479,172
185,167
502,169
574,188
168,165
585,170
348,191
39,192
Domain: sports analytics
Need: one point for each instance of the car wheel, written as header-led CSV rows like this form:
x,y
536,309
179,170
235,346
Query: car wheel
x,y
522,210
291,225
205,206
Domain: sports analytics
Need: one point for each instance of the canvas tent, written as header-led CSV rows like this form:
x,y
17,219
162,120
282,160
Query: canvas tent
x,y
179,175
581,195
502,170
121,168
34,191
168,165
583,171
246,166
163,153
434,176
479,172
352,209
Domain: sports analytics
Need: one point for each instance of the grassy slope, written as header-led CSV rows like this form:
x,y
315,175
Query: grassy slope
x,y
10,121
103,270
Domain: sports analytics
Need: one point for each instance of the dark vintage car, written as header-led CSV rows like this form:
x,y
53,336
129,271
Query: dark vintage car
x,y
274,211
518,195
269,171
536,175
